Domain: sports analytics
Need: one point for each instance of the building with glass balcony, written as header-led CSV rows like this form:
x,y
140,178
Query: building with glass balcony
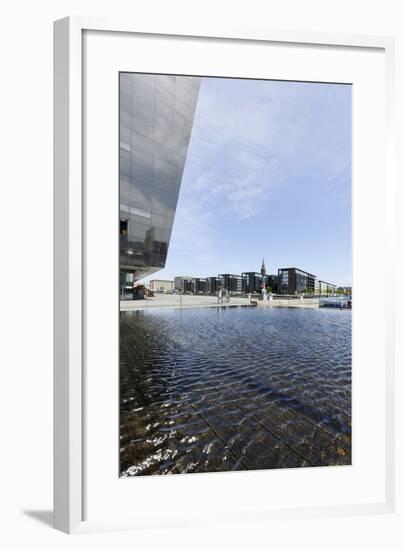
x,y
156,118
292,280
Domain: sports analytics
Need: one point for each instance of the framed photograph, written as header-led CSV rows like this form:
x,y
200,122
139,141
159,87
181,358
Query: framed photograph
x,y
223,344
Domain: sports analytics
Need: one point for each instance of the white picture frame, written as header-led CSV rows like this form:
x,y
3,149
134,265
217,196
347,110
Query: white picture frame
x,y
69,212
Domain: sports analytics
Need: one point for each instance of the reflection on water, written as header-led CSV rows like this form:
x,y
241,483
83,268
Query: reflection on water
x,y
206,390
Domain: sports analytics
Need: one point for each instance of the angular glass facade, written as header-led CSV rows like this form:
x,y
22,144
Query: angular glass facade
x,y
156,117
283,281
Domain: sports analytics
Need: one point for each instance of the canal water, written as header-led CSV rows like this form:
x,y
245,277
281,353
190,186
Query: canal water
x,y
205,390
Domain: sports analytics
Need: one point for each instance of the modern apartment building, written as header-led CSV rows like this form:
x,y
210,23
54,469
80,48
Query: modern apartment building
x,y
213,285
230,282
292,280
181,283
251,281
161,285
200,285
326,288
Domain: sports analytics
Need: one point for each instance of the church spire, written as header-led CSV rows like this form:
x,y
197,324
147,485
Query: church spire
x,y
263,269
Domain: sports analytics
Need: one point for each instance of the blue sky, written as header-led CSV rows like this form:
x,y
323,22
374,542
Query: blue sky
x,y
268,174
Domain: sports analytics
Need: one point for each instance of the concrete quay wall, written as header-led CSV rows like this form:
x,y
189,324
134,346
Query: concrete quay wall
x,y
288,302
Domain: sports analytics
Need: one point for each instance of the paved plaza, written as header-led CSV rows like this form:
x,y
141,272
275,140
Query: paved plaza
x,y
161,301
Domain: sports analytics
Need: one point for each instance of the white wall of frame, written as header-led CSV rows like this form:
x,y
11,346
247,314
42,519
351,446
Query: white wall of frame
x,y
191,497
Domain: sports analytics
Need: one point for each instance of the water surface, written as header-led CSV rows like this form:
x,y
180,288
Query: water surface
x,y
210,389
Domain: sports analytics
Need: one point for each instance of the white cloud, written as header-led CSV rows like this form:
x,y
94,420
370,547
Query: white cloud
x,y
240,186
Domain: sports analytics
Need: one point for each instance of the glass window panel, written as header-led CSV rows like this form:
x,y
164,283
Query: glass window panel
x,y
141,166
139,200
125,83
125,101
125,118
142,94
142,121
166,198
125,134
164,99
137,229
124,194
140,216
165,82
125,169
163,173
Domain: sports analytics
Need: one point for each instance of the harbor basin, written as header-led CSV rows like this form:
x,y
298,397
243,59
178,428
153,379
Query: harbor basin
x,y
241,388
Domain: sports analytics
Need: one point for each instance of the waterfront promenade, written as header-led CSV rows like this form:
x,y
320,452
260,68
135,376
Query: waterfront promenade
x,y
174,301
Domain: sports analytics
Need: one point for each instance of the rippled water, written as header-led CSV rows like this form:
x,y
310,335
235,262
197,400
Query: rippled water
x,y
212,389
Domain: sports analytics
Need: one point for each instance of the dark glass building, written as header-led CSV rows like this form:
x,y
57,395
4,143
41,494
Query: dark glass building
x,y
252,281
156,118
188,286
272,282
200,286
213,285
292,280
183,284
232,283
